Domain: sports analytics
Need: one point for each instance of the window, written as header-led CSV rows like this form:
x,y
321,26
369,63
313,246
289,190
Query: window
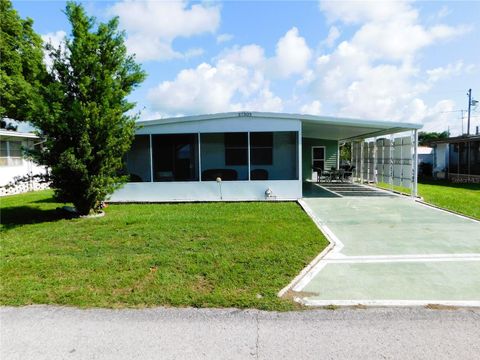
x,y
475,158
453,158
175,157
11,153
236,149
15,149
463,158
3,149
261,148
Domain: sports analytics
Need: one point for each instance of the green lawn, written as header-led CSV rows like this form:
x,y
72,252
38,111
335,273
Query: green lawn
x,y
461,198
201,255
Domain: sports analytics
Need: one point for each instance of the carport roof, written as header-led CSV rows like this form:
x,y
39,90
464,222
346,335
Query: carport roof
x,y
324,127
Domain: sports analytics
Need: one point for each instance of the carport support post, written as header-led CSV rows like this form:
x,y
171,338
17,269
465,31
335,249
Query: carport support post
x,y
415,164
375,162
361,162
392,173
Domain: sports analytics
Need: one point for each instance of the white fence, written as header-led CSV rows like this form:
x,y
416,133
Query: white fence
x,y
388,160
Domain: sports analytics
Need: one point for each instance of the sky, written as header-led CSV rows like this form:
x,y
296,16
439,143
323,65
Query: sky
x,y
410,61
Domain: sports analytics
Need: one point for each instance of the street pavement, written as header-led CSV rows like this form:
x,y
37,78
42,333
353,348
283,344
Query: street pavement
x,y
49,332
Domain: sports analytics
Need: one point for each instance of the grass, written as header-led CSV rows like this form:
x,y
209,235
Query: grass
x,y
201,255
461,198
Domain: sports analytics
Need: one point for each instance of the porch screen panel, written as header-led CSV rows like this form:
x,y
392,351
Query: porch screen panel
x,y
175,157
453,158
463,157
475,158
137,159
224,156
274,155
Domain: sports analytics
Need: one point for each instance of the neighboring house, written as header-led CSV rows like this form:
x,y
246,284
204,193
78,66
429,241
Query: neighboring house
x,y
425,155
240,155
425,160
13,163
457,158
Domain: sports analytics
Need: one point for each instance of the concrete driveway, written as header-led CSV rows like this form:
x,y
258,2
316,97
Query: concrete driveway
x,y
391,250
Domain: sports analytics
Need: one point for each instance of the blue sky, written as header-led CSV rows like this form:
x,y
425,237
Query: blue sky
x,y
404,60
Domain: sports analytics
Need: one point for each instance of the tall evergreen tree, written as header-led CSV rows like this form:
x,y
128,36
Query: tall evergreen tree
x,y
84,119
22,71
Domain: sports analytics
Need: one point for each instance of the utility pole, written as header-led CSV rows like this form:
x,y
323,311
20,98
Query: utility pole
x,y
469,107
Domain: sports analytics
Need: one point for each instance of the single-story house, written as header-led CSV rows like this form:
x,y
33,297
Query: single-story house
x,y
13,163
425,155
457,158
241,155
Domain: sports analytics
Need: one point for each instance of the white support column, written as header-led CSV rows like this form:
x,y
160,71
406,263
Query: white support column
x,y
375,163
199,158
401,162
151,159
248,154
415,164
392,172
338,154
361,160
367,160
300,164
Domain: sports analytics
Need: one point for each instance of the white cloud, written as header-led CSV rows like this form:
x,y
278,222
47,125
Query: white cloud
x,y
56,39
231,84
292,54
194,52
313,108
376,73
445,72
239,78
249,55
152,26
224,38
355,12
333,35
439,117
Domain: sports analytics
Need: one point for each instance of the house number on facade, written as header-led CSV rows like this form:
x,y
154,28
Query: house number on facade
x,y
245,114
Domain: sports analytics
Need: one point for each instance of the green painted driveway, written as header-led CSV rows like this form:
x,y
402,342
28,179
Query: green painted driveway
x,y
392,251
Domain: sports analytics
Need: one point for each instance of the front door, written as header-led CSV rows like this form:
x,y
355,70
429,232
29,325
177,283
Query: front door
x,y
318,160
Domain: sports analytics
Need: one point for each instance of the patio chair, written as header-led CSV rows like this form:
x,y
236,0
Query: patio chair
x,y
349,173
322,175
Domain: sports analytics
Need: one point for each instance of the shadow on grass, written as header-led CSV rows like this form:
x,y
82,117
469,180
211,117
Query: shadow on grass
x,y
11,217
49,200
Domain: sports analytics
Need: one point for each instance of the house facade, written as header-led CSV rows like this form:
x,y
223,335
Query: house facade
x,y
13,163
457,158
238,156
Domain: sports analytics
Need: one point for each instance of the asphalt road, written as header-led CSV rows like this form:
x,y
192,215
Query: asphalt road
x,y
44,332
